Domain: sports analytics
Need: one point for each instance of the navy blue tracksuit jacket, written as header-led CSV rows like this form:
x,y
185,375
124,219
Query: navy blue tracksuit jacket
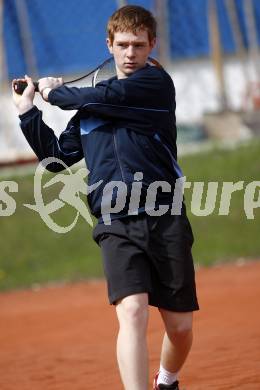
x,y
121,127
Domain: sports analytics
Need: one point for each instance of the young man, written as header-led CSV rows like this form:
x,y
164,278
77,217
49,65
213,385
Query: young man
x,y
125,128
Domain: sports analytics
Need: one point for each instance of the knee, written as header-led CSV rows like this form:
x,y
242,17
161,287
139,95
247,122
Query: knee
x,y
133,311
180,331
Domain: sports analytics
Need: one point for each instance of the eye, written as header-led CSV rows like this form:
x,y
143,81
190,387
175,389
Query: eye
x,y
123,45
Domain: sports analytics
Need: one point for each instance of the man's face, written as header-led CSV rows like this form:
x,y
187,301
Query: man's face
x,y
130,51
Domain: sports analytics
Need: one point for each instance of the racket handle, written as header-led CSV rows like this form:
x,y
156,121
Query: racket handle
x,y
19,86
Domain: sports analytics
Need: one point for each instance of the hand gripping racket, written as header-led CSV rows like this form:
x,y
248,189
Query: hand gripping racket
x,y
102,72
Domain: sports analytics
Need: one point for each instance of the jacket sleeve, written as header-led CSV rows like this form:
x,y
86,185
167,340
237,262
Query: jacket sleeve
x,y
44,142
147,88
145,99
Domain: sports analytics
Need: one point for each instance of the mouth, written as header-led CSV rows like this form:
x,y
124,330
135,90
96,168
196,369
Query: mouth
x,y
130,64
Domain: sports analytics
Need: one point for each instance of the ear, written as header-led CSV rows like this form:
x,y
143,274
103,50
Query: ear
x,y
153,43
109,46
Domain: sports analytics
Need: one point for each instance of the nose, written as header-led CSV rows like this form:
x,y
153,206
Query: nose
x,y
130,51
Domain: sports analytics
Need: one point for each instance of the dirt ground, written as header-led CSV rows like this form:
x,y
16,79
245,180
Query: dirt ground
x,y
63,337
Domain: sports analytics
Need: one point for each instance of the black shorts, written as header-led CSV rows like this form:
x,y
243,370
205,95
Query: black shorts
x,y
149,254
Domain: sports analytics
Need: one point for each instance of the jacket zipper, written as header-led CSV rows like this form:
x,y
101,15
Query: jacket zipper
x,y
116,153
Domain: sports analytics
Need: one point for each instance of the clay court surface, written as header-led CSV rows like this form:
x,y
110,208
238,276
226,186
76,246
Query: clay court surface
x,y
63,337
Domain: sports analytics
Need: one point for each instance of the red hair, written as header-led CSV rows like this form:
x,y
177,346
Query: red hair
x,y
131,18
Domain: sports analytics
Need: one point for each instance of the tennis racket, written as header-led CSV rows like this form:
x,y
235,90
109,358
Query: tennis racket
x,y
102,72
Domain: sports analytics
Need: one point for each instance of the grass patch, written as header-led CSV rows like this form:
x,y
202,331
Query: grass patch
x,y
33,253
223,238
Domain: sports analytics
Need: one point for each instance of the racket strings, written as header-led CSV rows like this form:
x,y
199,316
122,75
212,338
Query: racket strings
x,y
107,70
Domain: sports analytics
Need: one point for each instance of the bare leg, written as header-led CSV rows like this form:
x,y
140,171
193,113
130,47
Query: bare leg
x,y
177,339
132,355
